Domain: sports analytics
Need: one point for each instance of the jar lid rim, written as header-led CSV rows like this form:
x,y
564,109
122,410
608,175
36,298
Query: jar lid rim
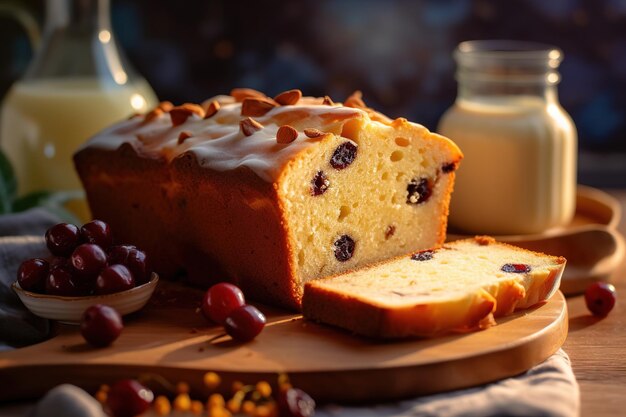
x,y
509,49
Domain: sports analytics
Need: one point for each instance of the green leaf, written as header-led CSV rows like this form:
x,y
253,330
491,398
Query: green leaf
x,y
8,184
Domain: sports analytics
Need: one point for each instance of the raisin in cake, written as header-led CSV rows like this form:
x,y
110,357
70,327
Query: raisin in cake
x,y
458,287
269,192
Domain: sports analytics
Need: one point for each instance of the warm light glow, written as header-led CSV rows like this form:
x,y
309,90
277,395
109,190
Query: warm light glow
x,y
104,36
553,78
49,150
120,77
137,102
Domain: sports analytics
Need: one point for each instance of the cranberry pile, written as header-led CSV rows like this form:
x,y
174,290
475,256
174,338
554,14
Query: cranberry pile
x,y
225,304
83,262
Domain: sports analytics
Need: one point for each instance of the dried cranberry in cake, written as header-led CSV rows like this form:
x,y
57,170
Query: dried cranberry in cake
x,y
390,231
447,168
114,278
98,233
344,155
516,268
425,255
62,239
60,281
319,183
88,259
32,274
344,248
418,191
133,259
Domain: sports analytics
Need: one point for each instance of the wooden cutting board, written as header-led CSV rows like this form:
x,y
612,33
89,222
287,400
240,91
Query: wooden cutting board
x,y
168,338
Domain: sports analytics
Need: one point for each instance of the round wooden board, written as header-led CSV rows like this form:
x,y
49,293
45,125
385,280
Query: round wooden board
x,y
171,340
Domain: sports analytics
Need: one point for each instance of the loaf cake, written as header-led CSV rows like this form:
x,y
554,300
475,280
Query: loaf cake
x,y
269,193
461,286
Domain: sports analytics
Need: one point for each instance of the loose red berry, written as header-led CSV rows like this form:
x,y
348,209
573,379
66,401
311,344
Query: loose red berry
x,y
101,325
128,398
32,274
244,323
600,298
220,300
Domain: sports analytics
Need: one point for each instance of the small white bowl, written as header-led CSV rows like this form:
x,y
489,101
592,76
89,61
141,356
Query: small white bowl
x,y
70,309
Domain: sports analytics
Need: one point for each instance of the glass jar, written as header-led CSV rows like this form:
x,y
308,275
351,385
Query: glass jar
x,y
518,175
77,83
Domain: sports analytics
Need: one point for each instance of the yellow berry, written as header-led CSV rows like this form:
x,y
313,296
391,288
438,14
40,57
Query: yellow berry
x,y
237,386
162,405
233,405
197,407
105,388
215,400
265,410
182,402
248,407
264,389
101,396
182,388
211,380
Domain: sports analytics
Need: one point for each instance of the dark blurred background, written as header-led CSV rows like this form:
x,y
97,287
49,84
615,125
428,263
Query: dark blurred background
x,y
397,52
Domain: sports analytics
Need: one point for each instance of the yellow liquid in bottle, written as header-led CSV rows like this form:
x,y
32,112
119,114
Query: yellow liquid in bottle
x,y
44,122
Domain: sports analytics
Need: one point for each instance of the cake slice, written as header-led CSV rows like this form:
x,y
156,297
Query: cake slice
x,y
269,193
461,286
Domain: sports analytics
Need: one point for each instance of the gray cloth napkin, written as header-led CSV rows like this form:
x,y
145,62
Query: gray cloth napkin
x,y
547,390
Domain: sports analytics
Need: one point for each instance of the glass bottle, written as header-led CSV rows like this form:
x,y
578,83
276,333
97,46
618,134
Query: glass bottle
x,y
518,175
77,83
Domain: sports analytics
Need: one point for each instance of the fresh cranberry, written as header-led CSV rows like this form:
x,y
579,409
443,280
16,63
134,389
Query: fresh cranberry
x,y
244,323
133,259
425,255
128,398
343,156
294,402
101,325
32,274
600,298
60,281
419,191
88,259
344,248
319,183
220,300
516,268
62,239
98,233
114,278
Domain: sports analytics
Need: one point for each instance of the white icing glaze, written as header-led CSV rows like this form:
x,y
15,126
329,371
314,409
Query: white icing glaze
x,y
219,144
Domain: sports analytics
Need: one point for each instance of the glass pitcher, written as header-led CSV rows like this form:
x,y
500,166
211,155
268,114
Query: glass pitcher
x,y
77,83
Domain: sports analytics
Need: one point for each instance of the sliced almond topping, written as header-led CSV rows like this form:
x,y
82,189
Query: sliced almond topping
x,y
254,107
355,100
242,93
183,136
249,126
211,109
152,115
180,114
286,134
313,133
165,106
288,98
328,101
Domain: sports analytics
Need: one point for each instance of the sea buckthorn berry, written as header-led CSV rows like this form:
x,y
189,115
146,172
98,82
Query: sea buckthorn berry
x,y
244,323
264,388
319,183
215,400
343,156
211,380
182,388
182,402
418,191
62,239
196,407
101,325
344,248
220,300
424,255
516,268
233,405
248,407
32,274
98,233
162,406
600,298
128,398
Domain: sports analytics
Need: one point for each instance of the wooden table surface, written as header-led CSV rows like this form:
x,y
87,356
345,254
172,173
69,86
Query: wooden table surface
x,y
597,347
